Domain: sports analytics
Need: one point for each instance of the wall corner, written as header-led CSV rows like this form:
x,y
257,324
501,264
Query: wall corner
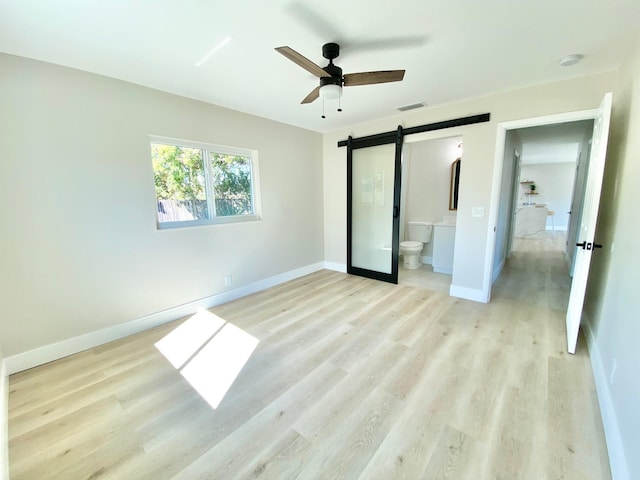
x,y
4,420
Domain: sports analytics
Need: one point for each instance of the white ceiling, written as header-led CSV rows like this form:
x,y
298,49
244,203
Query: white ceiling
x,y
451,50
558,143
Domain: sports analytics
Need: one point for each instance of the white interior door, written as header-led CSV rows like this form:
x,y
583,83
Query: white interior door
x,y
586,235
515,191
575,212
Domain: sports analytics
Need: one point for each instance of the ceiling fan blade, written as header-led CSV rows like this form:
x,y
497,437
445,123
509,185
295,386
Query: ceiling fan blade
x,y
315,21
303,61
318,21
313,95
385,43
368,78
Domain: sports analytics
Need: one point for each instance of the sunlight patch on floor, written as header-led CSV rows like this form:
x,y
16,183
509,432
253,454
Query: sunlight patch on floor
x,y
184,341
209,352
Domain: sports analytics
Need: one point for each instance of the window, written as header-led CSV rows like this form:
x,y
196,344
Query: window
x,y
199,184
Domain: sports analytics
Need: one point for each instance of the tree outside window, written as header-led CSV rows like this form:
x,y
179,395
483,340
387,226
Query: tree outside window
x,y
202,185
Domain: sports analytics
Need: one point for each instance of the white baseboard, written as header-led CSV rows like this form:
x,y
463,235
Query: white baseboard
x,y
338,267
4,420
55,351
615,448
446,271
477,295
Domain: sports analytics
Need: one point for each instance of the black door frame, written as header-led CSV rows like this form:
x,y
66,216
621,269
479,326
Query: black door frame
x,y
397,138
385,138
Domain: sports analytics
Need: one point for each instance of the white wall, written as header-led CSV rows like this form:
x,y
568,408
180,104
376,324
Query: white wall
x,y
554,185
612,298
476,176
4,420
512,146
428,176
80,248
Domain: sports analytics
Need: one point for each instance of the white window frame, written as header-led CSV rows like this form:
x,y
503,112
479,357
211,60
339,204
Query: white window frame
x,y
207,150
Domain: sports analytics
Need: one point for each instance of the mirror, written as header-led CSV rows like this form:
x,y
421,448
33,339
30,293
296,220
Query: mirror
x,y
455,182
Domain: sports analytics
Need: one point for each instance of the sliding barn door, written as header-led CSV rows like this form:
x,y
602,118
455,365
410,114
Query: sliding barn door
x,y
373,208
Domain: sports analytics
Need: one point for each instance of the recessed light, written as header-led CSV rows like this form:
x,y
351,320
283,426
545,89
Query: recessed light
x,y
212,51
570,59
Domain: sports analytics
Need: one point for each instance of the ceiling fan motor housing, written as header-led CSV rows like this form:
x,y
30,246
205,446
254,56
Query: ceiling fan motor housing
x,y
334,79
330,51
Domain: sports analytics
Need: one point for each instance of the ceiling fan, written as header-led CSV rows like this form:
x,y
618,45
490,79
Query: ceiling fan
x,y
331,78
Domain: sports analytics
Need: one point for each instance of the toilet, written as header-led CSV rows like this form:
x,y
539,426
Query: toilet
x,y
419,233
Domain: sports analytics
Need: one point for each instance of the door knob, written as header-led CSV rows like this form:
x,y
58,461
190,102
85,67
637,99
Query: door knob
x,y
588,245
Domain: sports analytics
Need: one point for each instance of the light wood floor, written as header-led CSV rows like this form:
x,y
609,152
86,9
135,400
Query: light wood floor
x,y
424,278
352,379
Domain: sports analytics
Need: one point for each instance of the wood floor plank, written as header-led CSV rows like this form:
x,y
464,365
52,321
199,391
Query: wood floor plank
x,y
281,459
347,450
351,379
453,457
21,447
409,445
272,424
349,393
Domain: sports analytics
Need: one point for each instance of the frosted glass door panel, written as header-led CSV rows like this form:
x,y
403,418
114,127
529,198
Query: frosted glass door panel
x,y
372,208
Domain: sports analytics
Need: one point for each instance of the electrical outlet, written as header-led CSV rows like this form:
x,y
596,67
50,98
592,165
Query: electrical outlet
x,y
228,280
614,365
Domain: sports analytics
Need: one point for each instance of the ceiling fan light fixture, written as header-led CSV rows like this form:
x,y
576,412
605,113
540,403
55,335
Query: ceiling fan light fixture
x,y
330,92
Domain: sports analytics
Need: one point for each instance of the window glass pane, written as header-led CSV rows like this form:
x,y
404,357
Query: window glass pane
x,y
180,183
232,184
372,207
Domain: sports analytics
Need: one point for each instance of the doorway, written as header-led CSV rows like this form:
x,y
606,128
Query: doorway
x,y
587,222
543,183
425,198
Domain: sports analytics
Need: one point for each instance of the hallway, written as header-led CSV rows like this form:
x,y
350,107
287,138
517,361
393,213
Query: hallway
x,y
536,273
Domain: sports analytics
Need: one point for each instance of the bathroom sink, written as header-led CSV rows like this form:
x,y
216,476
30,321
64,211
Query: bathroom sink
x,y
448,220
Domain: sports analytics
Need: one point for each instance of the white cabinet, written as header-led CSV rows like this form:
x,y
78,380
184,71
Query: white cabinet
x,y
444,235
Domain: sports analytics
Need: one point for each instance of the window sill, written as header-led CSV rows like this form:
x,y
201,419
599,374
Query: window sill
x,y
204,223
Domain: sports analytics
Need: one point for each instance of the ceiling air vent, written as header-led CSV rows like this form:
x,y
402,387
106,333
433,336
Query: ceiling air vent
x,y
412,106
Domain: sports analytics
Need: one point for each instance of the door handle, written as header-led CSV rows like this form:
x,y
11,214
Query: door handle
x,y
588,245
395,212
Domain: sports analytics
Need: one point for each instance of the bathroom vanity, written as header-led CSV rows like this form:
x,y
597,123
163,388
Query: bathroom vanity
x,y
444,235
